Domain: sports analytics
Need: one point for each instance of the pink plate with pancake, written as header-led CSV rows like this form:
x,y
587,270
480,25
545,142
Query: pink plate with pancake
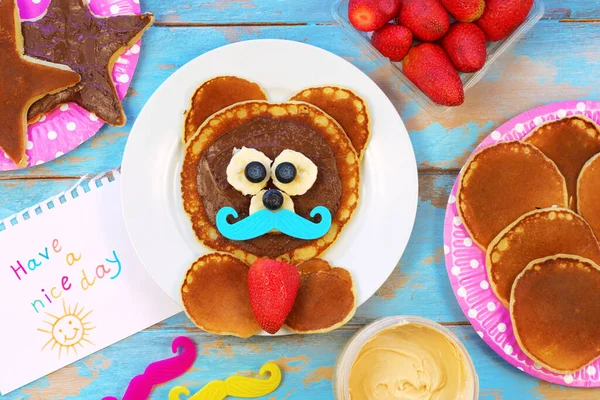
x,y
65,128
465,261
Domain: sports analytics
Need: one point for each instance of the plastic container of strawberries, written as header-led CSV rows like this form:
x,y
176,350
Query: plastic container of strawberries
x,y
494,50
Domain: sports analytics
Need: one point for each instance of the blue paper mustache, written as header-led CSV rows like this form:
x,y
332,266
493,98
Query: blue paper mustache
x,y
263,221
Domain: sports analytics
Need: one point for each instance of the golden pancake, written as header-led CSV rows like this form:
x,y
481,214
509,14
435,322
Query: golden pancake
x,y
346,107
555,312
326,299
501,183
209,151
215,296
588,194
538,234
570,143
215,95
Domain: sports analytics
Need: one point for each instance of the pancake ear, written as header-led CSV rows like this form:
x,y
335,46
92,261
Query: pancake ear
x,y
215,95
346,107
326,299
216,298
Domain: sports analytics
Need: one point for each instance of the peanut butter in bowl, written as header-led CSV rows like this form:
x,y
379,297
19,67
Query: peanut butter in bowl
x,y
405,358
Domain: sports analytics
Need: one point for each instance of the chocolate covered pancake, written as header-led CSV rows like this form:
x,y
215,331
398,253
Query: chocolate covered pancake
x,y
215,95
23,80
501,183
215,296
326,299
68,33
588,193
346,107
570,143
270,129
555,312
538,234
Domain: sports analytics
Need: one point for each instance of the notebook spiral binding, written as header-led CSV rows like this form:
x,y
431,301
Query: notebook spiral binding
x,y
83,186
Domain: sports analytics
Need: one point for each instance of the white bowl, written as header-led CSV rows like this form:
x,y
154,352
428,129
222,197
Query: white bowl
x,y
345,360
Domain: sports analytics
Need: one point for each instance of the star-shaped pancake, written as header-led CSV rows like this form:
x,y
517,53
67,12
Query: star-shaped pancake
x,y
70,34
23,80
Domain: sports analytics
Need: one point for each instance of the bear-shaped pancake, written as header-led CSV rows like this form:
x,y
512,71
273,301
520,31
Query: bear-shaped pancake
x,y
268,180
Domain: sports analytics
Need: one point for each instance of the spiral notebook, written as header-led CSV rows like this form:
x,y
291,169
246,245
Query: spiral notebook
x,y
70,282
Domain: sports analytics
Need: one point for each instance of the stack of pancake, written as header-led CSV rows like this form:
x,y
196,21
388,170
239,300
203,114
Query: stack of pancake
x,y
533,206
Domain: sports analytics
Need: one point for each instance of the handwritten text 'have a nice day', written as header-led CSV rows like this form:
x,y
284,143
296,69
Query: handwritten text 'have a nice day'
x,y
86,279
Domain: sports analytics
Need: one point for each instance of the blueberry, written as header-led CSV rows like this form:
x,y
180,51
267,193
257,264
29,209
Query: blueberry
x,y
273,199
255,172
285,172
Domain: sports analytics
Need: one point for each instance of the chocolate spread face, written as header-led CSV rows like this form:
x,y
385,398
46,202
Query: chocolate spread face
x,y
271,137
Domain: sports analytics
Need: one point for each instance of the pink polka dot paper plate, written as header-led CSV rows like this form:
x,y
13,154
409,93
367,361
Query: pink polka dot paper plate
x,y
465,261
65,128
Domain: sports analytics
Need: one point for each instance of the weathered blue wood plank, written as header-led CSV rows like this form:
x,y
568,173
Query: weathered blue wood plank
x,y
19,194
241,11
533,74
306,11
307,363
575,9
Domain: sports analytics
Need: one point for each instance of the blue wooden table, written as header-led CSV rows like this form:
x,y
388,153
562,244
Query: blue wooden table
x,y
557,60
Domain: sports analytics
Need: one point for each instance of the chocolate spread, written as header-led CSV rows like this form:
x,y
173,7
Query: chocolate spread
x,y
271,136
70,34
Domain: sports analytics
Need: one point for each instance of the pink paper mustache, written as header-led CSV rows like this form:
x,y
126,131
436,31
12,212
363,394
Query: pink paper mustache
x,y
161,371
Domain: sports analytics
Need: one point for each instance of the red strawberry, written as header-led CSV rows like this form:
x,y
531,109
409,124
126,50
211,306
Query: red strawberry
x,y
465,44
273,287
426,19
393,41
503,17
429,68
367,15
391,8
465,10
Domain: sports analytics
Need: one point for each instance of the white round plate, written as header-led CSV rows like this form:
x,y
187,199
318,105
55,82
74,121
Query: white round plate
x,y
372,243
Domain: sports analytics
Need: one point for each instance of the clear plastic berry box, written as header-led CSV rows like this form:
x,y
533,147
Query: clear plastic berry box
x,y
494,50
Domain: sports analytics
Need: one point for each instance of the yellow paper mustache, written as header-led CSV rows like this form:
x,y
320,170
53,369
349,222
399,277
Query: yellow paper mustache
x,y
236,386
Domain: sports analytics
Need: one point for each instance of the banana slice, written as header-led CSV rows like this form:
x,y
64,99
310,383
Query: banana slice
x,y
256,204
245,170
293,172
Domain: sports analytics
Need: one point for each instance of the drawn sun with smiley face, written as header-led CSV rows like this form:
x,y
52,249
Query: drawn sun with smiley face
x,y
68,330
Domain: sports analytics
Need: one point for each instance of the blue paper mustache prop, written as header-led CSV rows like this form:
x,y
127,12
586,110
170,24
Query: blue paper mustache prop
x,y
263,221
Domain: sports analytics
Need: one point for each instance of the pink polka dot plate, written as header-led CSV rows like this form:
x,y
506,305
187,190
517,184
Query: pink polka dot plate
x,y
465,261
65,128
